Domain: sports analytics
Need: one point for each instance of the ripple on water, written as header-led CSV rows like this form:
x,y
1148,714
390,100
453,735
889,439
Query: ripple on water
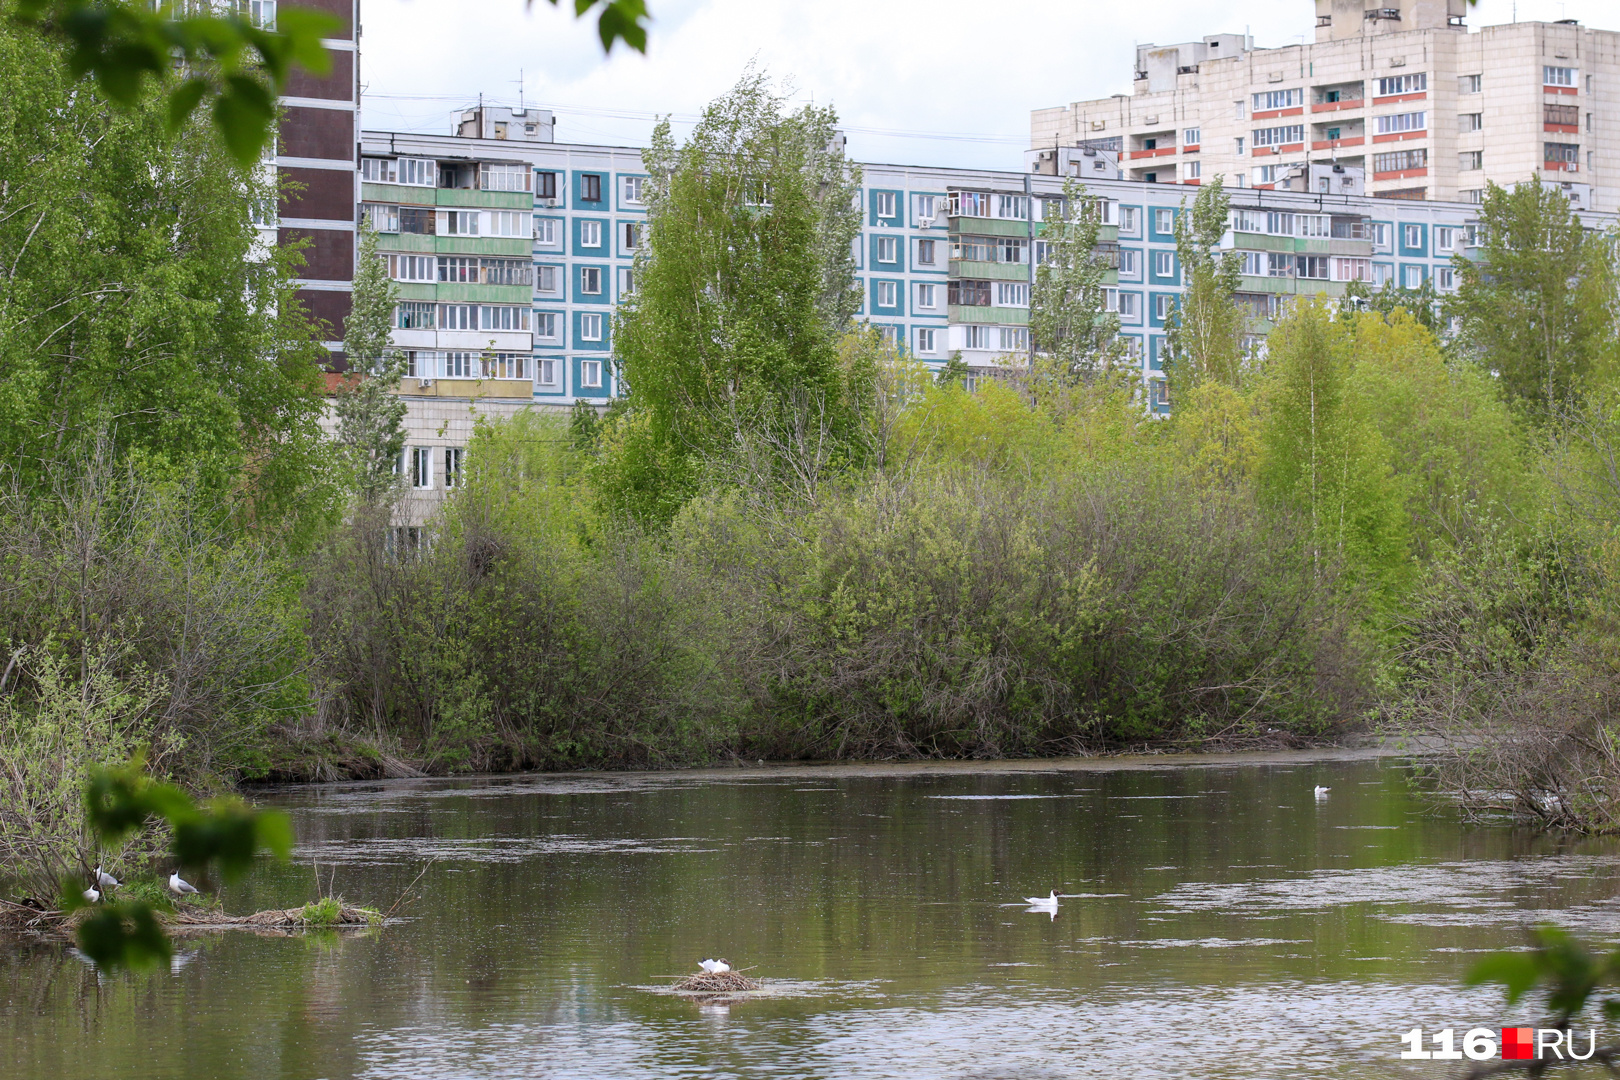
x,y
384,851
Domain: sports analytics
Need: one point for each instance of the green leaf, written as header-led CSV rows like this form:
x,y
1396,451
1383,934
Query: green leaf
x,y
1518,971
183,101
275,833
242,113
123,935
303,30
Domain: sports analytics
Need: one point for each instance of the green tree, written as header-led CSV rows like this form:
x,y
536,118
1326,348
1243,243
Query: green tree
x,y
1320,457
1422,303
743,288
1067,317
1204,335
138,303
1535,310
370,412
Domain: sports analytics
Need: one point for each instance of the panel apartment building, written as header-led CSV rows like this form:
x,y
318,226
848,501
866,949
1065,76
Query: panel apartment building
x,y
1400,89
512,252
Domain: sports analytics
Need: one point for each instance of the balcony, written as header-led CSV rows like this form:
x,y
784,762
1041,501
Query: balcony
x,y
1400,136
1156,152
1335,106
1336,144
1561,166
1407,174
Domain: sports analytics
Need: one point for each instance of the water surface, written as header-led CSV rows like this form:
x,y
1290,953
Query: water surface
x,y
1226,923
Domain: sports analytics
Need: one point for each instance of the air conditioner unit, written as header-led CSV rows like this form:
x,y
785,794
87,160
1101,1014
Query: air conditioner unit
x,y
423,384
549,202
925,223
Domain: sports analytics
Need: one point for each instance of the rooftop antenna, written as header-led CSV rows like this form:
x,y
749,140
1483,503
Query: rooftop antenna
x,y
520,90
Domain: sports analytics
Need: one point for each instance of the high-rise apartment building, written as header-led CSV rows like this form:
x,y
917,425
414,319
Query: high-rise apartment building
x,y
1400,90
316,148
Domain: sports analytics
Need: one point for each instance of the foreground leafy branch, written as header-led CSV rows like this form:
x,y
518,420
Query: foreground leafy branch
x,y
1572,975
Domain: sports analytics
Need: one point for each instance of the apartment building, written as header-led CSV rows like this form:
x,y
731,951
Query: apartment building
x,y
316,148
512,253
1402,90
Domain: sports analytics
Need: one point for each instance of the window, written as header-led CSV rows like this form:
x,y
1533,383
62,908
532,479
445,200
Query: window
x,y
1399,122
1010,250
1471,160
545,280
1472,195
1014,338
1314,267
1192,170
503,317
1237,110
926,296
590,328
1011,294
627,281
1412,277
1314,225
590,187
545,231
414,315
1164,222
545,325
590,374
632,235
458,268
925,208
1239,152
1129,222
504,365
1252,263
493,177
1468,84
1379,232
1352,269
968,293
1162,305
590,280
1445,279
1558,155
1403,84
262,13
421,467
1279,136
971,203
1191,137
1561,116
1470,122
887,249
505,272
925,253
891,335
1557,76
410,267
1164,263
883,203
973,251
1279,265
1130,263
458,316
630,189
590,234
1412,237
1012,206
417,172
976,337
1278,99
378,170
452,466
459,365
459,222
382,218
1445,238
1130,306
1382,274
545,185
925,339
887,293
1400,161
545,371
417,219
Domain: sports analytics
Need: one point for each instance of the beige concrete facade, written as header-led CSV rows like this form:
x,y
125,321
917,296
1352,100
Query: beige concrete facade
x,y
1401,89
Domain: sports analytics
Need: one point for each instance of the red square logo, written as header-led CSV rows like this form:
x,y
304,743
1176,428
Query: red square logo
x,y
1518,1044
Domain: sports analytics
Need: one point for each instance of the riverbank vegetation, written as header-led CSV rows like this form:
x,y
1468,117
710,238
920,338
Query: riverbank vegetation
x,y
788,540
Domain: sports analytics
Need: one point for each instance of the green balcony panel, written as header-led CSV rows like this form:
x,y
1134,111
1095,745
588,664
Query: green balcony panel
x,y
1004,316
487,200
960,268
398,193
966,226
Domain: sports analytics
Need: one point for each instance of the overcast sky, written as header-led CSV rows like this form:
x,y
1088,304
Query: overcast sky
x,y
927,82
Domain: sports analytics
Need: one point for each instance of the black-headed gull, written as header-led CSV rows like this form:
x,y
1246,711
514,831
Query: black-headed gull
x,y
715,967
105,880
180,885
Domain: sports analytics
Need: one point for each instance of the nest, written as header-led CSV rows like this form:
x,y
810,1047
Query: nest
x,y
724,982
201,918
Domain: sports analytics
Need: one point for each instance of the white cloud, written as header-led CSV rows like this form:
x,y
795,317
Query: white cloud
x,y
959,67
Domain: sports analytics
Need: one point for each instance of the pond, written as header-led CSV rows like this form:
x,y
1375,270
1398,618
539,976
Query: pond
x,y
1221,920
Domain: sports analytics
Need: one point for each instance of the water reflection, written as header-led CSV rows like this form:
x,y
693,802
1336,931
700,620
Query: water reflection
x,y
1199,908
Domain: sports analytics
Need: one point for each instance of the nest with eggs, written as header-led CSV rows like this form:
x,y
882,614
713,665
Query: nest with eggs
x,y
718,982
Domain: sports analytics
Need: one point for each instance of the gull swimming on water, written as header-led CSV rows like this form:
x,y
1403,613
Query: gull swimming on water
x,y
1321,791
180,885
